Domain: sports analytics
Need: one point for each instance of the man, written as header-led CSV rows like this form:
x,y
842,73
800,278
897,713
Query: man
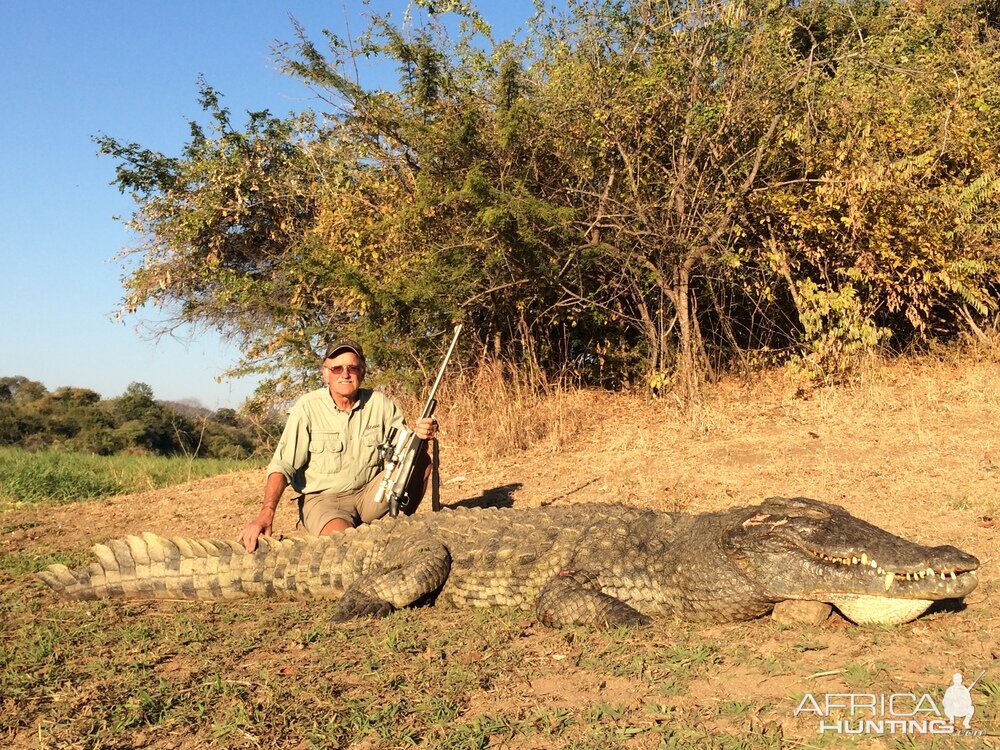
x,y
958,702
328,451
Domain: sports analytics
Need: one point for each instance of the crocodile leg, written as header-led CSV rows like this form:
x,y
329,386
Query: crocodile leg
x,y
410,571
574,597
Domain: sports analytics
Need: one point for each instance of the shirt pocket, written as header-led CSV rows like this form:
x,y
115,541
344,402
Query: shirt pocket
x,y
326,452
370,442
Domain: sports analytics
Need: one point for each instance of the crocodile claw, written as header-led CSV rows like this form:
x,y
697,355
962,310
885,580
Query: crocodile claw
x,y
353,605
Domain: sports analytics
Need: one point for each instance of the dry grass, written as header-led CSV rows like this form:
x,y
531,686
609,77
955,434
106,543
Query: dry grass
x,y
497,410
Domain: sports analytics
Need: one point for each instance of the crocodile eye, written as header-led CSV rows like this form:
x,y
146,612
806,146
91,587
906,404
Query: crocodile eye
x,y
806,510
796,507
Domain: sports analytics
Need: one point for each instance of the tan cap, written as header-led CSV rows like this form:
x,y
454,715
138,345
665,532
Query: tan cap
x,y
341,345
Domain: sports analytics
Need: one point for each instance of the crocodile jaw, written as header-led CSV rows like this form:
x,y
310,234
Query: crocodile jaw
x,y
878,610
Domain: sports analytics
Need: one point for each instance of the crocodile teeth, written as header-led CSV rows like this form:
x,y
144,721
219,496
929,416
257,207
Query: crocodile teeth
x,y
953,575
864,559
929,571
888,580
854,561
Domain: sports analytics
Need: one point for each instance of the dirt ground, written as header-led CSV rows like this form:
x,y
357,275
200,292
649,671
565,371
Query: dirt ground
x,y
915,448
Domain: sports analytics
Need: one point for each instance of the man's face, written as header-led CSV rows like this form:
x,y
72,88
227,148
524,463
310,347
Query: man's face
x,y
343,374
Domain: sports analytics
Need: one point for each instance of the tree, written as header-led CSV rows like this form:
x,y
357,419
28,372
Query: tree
x,y
887,225
683,106
20,389
632,189
226,416
227,229
136,402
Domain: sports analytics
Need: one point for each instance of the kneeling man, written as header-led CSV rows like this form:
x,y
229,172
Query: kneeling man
x,y
329,453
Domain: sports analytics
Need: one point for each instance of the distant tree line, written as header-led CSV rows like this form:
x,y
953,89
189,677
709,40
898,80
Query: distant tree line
x,y
78,419
630,191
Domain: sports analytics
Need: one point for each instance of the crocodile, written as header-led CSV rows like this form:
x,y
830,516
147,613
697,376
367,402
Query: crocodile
x,y
600,565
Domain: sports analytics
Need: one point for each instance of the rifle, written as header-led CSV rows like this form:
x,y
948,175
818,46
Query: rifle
x,y
401,448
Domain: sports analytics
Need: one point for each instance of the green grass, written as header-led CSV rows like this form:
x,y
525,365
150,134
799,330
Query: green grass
x,y
33,560
57,477
269,674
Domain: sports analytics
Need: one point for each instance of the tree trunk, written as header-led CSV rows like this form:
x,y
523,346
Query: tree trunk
x,y
692,360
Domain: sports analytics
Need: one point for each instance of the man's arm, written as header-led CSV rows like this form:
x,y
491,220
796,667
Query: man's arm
x,y
291,453
274,487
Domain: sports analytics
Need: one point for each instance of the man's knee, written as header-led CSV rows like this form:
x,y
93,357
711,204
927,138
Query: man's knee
x,y
327,513
336,526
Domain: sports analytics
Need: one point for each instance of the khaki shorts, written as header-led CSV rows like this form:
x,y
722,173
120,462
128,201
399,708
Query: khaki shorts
x,y
354,506
359,506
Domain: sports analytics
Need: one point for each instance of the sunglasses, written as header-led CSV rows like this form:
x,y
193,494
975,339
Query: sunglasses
x,y
339,370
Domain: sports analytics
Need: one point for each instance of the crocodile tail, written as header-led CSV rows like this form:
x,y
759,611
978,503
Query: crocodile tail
x,y
154,567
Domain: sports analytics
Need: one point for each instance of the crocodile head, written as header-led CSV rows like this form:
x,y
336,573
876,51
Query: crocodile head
x,y
803,549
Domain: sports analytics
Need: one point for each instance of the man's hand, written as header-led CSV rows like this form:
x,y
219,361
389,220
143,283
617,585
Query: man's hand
x,y
273,487
425,428
259,526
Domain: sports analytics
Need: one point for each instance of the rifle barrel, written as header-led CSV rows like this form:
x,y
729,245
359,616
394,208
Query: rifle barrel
x,y
440,375
976,680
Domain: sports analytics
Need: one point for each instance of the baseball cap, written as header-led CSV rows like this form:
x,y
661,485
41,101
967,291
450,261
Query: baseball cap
x,y
344,345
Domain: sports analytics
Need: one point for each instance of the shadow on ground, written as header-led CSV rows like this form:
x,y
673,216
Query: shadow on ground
x,y
496,497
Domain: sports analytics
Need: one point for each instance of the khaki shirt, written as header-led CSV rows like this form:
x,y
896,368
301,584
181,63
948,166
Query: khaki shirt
x,y
325,449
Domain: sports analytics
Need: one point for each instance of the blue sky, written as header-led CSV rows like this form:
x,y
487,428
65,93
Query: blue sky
x,y
73,69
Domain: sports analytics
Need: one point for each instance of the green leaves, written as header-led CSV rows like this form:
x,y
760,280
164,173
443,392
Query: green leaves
x,y
657,186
